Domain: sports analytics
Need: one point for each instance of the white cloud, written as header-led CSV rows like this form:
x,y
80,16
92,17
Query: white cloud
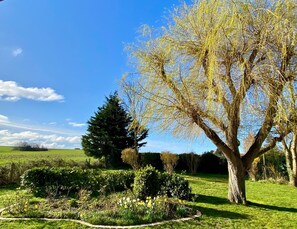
x,y
16,52
10,138
11,91
75,124
3,119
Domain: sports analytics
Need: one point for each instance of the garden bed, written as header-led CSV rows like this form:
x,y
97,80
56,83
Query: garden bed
x,y
100,197
115,209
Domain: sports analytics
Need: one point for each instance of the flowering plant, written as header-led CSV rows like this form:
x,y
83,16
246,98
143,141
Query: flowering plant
x,y
152,208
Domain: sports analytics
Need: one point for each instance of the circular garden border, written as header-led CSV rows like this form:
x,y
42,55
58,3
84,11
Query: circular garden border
x,y
198,214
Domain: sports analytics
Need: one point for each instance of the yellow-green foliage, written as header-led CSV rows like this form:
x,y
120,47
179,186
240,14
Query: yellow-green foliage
x,y
223,61
169,161
130,156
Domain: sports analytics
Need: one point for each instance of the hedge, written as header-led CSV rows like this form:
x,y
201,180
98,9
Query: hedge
x,y
65,181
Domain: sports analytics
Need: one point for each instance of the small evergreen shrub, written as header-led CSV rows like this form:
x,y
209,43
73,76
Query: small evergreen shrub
x,y
57,181
146,182
149,182
114,181
175,186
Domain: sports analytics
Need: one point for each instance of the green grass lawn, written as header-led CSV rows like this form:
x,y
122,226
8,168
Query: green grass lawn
x,y
271,206
8,155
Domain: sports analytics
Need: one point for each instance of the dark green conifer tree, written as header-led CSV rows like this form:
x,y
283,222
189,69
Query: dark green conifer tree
x,y
108,132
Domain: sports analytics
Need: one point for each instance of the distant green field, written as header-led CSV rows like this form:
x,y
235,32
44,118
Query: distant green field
x,y
8,155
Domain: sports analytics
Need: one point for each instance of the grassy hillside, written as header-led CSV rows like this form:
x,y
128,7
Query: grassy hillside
x,y
272,206
8,155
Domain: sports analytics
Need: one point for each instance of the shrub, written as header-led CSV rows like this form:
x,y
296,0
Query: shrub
x,y
149,182
56,181
64,181
114,181
169,161
11,173
146,182
131,157
175,186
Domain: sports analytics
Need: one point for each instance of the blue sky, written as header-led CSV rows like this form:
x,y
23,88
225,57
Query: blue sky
x,y
59,59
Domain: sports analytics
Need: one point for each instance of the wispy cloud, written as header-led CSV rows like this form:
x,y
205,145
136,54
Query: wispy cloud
x,y
75,124
16,52
11,91
40,128
10,138
3,119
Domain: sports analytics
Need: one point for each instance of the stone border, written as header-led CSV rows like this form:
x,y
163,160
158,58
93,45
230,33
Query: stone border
x,y
105,226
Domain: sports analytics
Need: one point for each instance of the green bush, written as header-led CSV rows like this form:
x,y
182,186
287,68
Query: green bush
x,y
149,182
146,182
56,181
175,186
11,173
65,181
114,181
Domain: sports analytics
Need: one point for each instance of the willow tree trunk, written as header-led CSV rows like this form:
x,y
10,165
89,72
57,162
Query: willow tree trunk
x,y
291,160
293,180
293,177
236,191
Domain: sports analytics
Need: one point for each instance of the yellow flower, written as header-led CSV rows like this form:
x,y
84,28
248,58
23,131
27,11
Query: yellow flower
x,y
149,204
140,203
36,206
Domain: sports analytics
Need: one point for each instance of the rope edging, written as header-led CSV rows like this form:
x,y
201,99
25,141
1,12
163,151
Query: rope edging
x,y
105,226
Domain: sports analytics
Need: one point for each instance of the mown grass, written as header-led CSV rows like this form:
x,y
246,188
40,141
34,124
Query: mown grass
x,y
8,155
271,206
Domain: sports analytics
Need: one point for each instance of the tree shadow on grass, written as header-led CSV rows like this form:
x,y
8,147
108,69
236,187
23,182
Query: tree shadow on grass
x,y
220,178
210,199
271,207
9,187
211,212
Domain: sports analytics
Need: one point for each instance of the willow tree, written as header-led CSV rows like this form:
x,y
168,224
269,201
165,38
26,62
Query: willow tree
x,y
211,67
286,121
